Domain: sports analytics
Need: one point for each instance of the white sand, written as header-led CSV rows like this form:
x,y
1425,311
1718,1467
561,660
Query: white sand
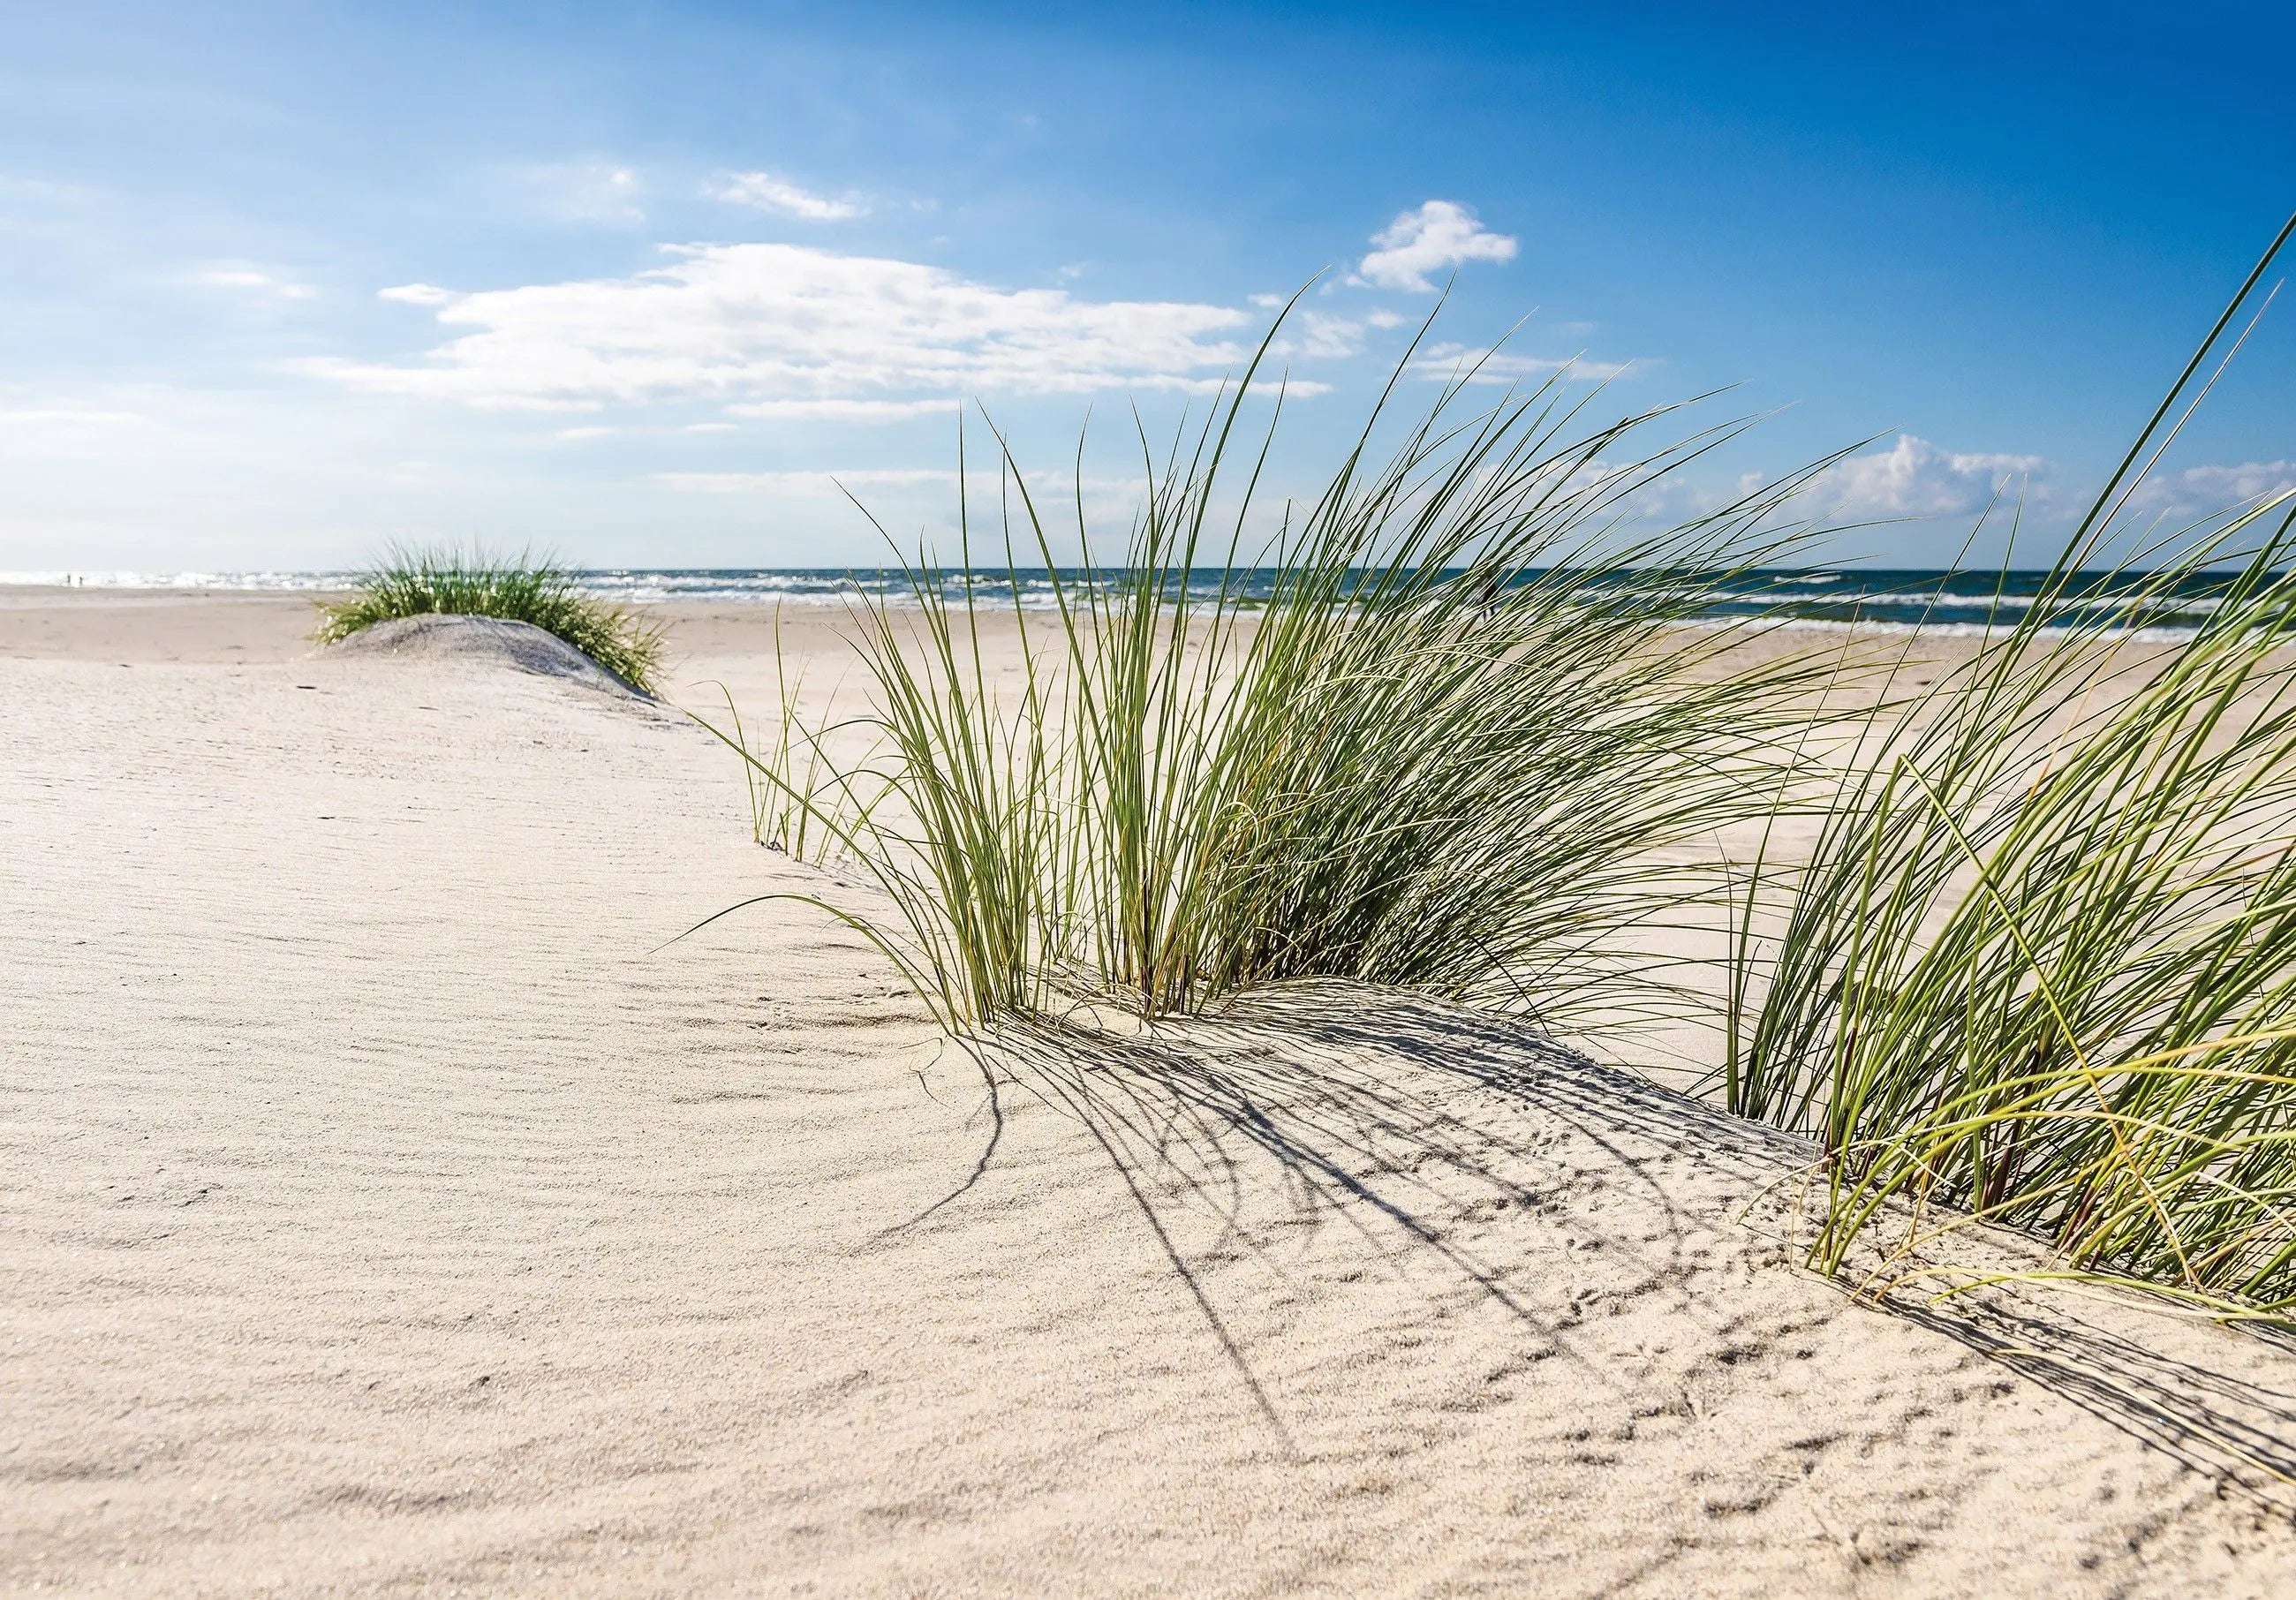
x,y
385,1215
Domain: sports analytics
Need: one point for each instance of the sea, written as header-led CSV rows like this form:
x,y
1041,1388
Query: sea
x,y
1833,597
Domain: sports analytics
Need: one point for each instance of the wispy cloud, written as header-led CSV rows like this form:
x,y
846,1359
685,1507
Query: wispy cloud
x,y
1440,234
1313,333
754,323
1108,498
806,482
250,279
416,294
1481,365
844,411
589,192
767,191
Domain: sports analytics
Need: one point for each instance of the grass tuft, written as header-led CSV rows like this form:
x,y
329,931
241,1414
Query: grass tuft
x,y
2040,967
422,582
1456,749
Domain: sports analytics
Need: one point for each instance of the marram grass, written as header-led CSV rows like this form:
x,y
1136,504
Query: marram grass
x,y
798,797
1452,751
414,583
2040,968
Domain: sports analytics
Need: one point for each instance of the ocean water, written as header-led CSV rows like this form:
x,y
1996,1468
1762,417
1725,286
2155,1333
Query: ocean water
x,y
1815,597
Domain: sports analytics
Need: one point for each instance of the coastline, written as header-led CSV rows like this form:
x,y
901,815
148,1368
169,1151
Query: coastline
x,y
1938,603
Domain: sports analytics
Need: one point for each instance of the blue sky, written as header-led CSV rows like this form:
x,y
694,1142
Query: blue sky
x,y
637,282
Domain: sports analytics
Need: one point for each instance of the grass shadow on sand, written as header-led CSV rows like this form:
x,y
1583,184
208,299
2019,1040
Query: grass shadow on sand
x,y
1416,1125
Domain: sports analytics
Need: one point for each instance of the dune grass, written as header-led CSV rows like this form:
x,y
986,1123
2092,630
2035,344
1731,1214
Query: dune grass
x,y
420,582
1451,749
2040,968
792,783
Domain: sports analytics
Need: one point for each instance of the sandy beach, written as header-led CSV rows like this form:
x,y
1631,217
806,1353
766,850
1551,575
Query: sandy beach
x,y
391,1208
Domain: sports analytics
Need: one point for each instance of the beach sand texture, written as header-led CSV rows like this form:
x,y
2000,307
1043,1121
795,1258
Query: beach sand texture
x,y
383,1212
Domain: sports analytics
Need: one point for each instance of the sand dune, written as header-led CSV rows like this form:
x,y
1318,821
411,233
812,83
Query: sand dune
x,y
386,1214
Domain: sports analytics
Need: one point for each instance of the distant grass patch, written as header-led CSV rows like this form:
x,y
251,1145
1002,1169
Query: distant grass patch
x,y
416,583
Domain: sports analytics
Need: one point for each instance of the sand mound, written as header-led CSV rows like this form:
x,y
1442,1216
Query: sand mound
x,y
519,644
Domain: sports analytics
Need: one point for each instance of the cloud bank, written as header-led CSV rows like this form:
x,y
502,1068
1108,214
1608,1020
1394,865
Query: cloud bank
x,y
754,325
1916,479
2204,491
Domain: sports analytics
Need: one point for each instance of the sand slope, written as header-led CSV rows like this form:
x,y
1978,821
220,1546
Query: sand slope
x,y
383,1215
519,646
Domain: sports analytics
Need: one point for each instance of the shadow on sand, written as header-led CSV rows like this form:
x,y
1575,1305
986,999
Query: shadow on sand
x,y
1396,1116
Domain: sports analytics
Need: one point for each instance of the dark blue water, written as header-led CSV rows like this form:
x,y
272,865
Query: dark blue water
x,y
1894,597
1815,597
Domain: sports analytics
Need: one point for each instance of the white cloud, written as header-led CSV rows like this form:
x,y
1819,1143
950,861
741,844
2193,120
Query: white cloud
x,y
844,411
1384,318
1108,498
1448,362
1916,479
804,482
1314,334
752,324
594,192
764,192
416,294
2204,491
1440,234
1293,388
711,427
247,277
584,433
